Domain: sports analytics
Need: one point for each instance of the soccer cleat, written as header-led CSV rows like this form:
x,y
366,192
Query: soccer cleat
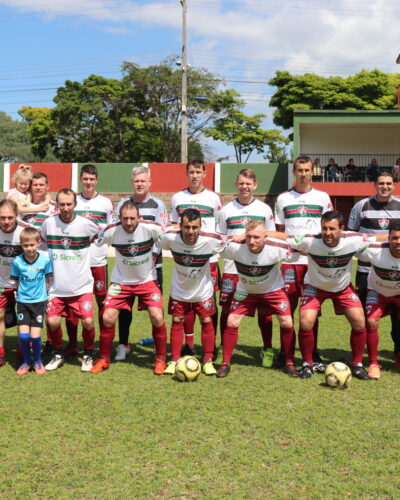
x,y
23,369
280,360
223,371
208,368
159,367
56,361
3,361
47,347
71,351
374,371
319,367
39,369
100,366
396,356
121,352
87,362
217,359
170,369
187,351
290,370
306,371
267,357
359,372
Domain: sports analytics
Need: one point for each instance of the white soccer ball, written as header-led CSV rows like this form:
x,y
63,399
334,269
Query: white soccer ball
x,y
338,375
187,369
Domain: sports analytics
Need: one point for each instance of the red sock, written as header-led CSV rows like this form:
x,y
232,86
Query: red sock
x,y
231,335
71,325
88,338
293,346
107,335
223,319
189,339
189,323
215,324
306,343
287,335
176,340
315,331
207,340
56,338
265,324
2,352
372,344
357,342
160,341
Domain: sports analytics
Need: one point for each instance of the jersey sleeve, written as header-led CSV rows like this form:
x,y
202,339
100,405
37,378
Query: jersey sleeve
x,y
163,241
105,237
48,268
222,227
230,250
161,216
279,215
14,270
300,242
174,212
326,203
110,212
355,218
269,219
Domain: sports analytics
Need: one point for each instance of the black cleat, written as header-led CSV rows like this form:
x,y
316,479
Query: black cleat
x,y
319,367
280,360
306,371
47,348
290,370
223,371
359,372
187,351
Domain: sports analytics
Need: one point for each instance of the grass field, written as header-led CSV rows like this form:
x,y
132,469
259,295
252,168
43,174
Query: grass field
x,y
126,433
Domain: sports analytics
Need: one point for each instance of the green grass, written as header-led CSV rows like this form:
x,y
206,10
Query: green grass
x,y
256,434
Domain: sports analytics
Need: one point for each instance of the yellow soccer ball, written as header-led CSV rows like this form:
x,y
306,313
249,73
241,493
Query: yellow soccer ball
x,y
187,369
338,375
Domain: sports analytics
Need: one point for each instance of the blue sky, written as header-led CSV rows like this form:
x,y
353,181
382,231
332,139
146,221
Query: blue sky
x,y
46,42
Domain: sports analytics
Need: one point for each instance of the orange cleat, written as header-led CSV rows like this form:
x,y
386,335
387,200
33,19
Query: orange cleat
x,y
100,365
159,367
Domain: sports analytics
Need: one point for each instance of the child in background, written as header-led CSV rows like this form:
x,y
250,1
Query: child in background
x,y
21,194
32,271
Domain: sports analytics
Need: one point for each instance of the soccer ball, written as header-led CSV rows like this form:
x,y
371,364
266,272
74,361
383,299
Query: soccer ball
x,y
187,369
338,375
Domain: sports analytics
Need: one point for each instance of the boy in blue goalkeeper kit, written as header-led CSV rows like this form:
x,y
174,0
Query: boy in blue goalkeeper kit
x,y
32,271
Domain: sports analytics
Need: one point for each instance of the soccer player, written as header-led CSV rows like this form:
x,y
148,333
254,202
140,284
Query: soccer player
x,y
383,289
151,209
133,275
373,215
192,286
233,219
209,204
99,209
10,247
68,237
31,271
260,285
298,211
328,276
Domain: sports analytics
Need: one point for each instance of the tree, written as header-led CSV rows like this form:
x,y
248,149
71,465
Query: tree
x,y
365,90
245,134
39,128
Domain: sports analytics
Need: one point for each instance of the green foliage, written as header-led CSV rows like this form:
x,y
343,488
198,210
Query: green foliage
x,y
257,434
366,90
244,133
39,128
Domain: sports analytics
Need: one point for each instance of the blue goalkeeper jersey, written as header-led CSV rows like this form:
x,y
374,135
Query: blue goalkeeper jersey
x,y
31,278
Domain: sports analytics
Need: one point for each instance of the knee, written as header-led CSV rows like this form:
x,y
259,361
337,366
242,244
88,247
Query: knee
x,y
108,318
87,323
178,319
286,322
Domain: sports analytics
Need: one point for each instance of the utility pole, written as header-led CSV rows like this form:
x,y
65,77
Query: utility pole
x,y
184,138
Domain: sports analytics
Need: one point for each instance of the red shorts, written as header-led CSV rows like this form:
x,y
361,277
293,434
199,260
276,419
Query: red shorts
x,y
80,306
100,276
7,297
203,309
276,302
313,298
228,287
123,296
293,277
377,306
215,275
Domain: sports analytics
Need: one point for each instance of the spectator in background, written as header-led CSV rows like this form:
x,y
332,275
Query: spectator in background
x,y
396,170
318,171
372,170
335,173
350,171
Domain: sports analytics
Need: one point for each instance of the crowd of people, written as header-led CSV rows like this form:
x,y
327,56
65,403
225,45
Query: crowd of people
x,y
53,260
351,172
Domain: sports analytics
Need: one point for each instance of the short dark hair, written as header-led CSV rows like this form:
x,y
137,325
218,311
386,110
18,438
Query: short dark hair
x,y
89,169
197,164
394,226
67,191
40,175
301,160
384,173
333,214
128,204
10,204
191,214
